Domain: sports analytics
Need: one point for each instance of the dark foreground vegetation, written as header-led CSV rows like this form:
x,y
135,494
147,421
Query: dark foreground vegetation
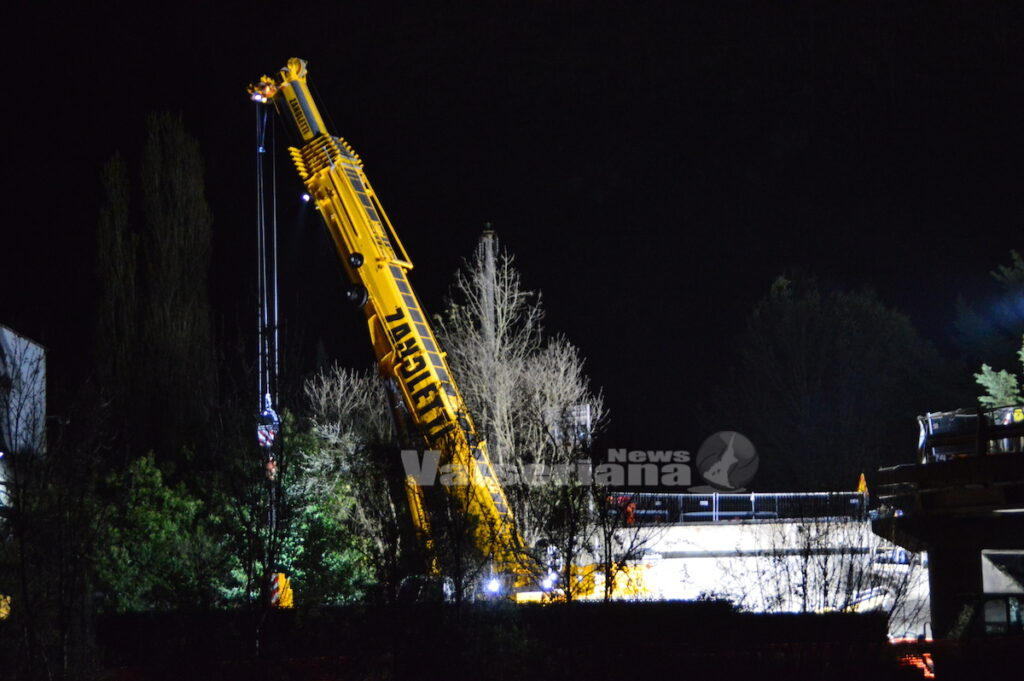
x,y
496,641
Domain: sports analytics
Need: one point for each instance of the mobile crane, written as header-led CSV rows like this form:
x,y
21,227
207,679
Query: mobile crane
x,y
425,399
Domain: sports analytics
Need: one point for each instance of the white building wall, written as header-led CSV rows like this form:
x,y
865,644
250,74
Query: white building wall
x,y
22,399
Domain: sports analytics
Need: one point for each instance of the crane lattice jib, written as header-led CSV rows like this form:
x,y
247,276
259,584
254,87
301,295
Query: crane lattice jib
x,y
403,341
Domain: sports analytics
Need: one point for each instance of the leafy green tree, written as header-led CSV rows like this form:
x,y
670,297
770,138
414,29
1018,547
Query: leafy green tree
x,y
326,558
154,357
325,562
231,488
1001,387
158,552
341,471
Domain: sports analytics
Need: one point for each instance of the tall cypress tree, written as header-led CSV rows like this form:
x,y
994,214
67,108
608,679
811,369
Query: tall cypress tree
x,y
154,340
116,335
176,326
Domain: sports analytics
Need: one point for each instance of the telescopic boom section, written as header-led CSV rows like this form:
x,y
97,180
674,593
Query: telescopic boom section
x,y
407,351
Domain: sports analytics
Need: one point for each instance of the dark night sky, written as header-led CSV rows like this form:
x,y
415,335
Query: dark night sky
x,y
652,166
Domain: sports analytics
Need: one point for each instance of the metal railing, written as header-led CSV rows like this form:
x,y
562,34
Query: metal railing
x,y
717,508
971,432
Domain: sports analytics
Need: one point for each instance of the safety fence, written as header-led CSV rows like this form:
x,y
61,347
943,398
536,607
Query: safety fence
x,y
971,432
716,508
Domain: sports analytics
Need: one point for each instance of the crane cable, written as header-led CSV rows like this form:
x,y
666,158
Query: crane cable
x,y
268,422
266,239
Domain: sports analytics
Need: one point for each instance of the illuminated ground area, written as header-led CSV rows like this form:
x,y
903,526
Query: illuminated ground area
x,y
791,566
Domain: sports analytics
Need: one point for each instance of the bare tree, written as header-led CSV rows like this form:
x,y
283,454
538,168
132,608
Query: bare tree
x,y
458,533
826,564
569,535
22,394
622,541
490,329
347,470
530,397
353,472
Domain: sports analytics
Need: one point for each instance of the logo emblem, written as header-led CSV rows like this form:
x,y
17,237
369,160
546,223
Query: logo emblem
x,y
727,461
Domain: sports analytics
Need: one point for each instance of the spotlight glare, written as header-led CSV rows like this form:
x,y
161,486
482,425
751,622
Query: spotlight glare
x,y
493,586
305,197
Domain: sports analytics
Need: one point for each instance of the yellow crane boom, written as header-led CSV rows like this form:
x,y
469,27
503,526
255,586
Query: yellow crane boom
x,y
407,352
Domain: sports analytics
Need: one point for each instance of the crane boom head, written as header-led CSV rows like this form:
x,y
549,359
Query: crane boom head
x,y
290,91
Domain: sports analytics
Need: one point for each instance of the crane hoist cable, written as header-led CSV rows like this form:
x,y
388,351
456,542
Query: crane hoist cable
x,y
268,331
268,422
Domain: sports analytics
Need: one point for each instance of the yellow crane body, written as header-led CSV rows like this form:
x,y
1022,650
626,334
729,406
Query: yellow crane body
x,y
407,352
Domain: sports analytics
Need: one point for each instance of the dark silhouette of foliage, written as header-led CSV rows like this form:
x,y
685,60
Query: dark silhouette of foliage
x,y
116,333
989,331
154,342
176,334
827,384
